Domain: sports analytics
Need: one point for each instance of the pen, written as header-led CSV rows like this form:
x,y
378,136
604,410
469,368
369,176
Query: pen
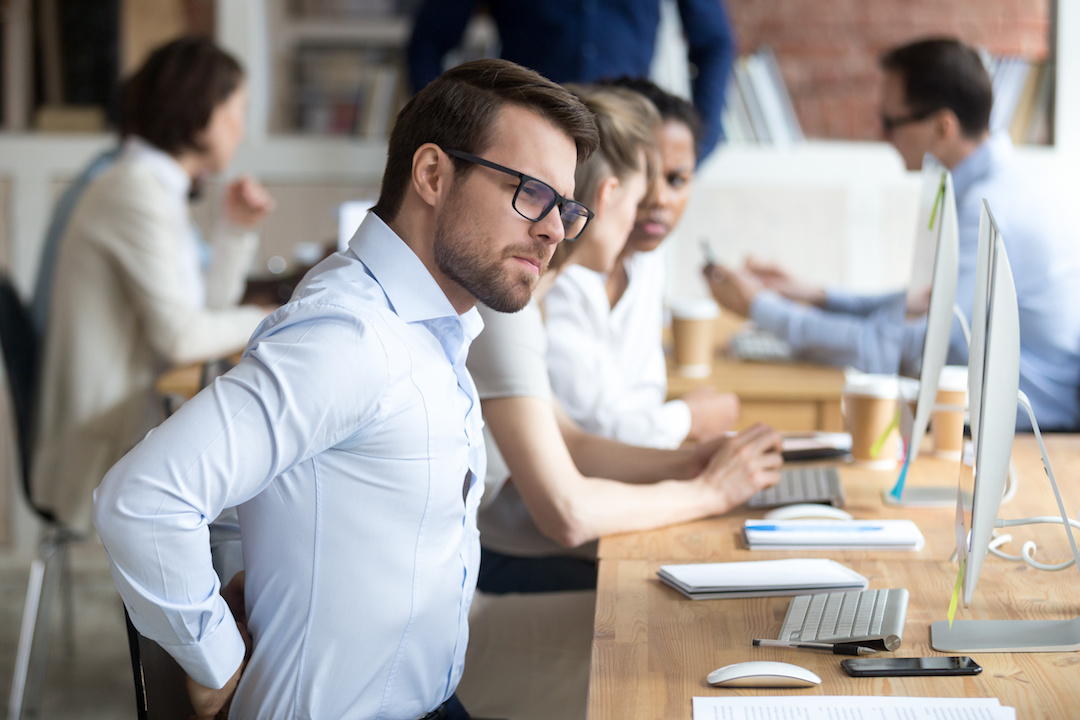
x,y
834,648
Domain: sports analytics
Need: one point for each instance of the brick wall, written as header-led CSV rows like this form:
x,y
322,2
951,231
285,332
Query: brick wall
x,y
828,49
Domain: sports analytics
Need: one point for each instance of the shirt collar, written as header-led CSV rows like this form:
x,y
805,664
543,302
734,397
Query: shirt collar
x,y
409,286
991,151
161,164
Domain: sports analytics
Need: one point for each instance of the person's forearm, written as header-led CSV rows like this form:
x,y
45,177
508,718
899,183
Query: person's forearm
x,y
200,634
604,507
566,506
712,51
602,457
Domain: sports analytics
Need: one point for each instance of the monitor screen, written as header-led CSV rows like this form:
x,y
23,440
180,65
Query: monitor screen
x,y
993,386
934,270
993,383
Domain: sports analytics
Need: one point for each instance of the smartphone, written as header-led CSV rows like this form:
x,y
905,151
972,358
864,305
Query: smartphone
x,y
707,251
897,667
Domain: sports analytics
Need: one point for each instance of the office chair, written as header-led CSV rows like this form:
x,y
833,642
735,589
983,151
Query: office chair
x,y
160,682
50,571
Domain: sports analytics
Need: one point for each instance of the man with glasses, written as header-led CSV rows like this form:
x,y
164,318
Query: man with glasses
x,y
349,435
936,98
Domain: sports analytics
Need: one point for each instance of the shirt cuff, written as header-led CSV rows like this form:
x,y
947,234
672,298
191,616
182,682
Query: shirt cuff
x,y
212,661
675,419
771,311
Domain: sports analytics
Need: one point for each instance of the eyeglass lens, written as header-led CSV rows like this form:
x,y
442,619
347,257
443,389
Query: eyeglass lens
x,y
535,199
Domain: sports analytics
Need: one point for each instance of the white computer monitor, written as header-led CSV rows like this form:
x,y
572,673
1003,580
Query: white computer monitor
x,y
942,230
993,384
935,267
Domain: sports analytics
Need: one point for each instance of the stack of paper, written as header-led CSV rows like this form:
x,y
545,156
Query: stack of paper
x,y
832,534
710,581
812,707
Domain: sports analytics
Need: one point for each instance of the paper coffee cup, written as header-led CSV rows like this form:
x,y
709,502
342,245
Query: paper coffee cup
x,y
869,413
947,420
693,324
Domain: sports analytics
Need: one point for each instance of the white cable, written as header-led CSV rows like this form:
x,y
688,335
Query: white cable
x,y
1027,551
964,327
1011,483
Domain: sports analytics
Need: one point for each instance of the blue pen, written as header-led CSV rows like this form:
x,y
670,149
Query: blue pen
x,y
841,526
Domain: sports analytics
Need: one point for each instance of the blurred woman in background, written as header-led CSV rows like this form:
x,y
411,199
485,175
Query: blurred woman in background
x,y
135,288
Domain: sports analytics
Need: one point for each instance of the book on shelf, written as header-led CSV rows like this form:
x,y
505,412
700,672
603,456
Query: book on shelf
x,y
1022,96
758,107
347,90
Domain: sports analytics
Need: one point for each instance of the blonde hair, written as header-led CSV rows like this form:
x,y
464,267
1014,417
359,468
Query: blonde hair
x,y
627,121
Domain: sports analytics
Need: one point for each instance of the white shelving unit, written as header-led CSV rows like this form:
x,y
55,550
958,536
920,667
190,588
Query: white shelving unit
x,y
837,209
860,176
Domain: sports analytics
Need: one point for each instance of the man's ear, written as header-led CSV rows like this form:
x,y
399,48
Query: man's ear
x,y
947,125
432,173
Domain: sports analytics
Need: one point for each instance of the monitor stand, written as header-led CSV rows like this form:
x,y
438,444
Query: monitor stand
x,y
971,636
941,496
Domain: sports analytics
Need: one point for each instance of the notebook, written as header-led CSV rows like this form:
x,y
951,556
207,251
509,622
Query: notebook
x,y
832,535
761,578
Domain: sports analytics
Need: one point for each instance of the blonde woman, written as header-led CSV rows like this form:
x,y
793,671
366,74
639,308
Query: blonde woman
x,y
605,358
552,489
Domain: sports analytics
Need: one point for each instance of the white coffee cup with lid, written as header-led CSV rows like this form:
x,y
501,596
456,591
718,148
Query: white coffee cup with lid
x,y
693,324
870,416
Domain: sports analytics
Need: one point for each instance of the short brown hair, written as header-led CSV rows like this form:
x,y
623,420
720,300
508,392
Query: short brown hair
x,y
943,73
457,111
169,100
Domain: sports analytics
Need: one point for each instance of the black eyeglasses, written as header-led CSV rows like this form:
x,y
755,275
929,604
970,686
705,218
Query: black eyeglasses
x,y
889,124
534,199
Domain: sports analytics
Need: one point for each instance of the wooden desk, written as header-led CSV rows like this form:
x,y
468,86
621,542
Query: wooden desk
x,y
788,396
785,396
182,381
652,648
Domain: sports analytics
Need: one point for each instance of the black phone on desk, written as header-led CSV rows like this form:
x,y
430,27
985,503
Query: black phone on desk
x,y
799,446
899,667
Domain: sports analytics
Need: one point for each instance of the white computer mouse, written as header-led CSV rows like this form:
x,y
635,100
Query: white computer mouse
x,y
807,511
763,673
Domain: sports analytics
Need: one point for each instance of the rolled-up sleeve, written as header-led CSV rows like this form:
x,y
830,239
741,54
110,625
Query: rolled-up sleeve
x,y
283,403
870,337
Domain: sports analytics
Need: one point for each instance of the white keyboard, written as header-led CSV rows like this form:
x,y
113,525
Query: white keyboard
x,y
754,344
874,618
812,484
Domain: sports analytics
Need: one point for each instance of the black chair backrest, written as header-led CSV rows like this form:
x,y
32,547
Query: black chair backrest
x,y
160,682
19,343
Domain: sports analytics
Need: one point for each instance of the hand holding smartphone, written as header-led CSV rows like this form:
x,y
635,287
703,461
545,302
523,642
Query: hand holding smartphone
x,y
707,252
899,667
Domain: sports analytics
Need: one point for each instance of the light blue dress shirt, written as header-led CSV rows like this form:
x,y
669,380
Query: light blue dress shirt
x,y
350,436
1043,245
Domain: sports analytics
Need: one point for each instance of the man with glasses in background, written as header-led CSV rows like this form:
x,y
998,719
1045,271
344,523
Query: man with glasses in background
x,y
349,435
936,98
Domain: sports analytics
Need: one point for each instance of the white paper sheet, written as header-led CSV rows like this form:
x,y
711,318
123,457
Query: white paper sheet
x,y
850,707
